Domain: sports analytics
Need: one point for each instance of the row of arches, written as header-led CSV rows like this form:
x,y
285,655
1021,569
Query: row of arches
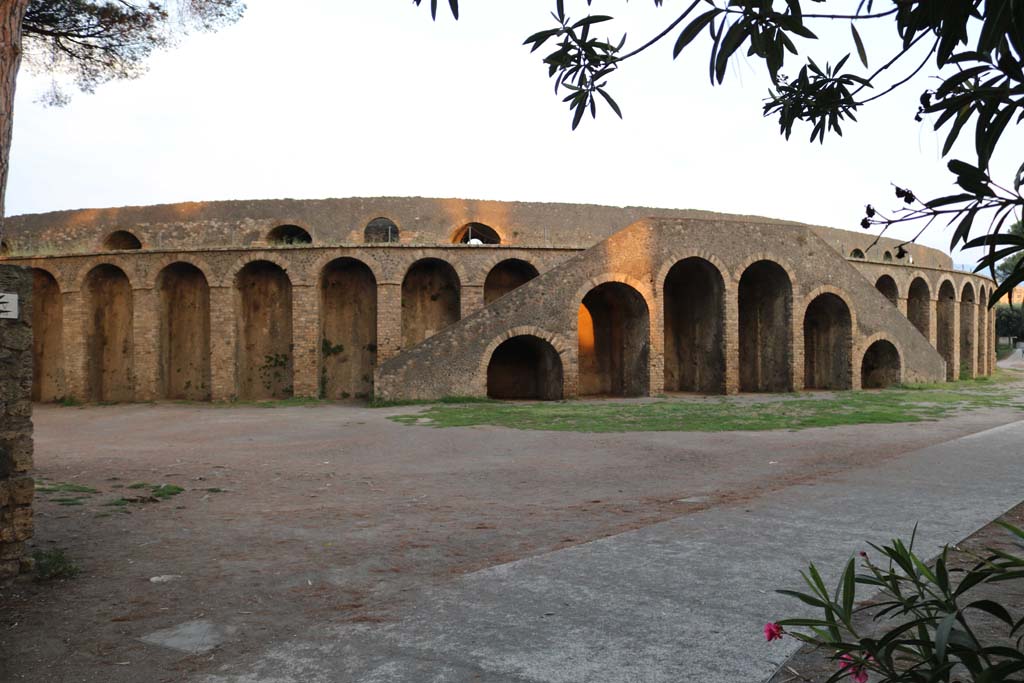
x,y
380,230
264,354
962,344
613,332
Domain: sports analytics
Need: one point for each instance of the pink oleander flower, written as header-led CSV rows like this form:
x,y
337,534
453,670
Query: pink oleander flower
x,y
772,631
858,672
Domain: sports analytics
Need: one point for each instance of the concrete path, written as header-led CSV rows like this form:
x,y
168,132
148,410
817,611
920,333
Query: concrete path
x,y
682,600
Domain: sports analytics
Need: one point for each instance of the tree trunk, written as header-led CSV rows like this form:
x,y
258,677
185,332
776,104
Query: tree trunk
x,y
11,14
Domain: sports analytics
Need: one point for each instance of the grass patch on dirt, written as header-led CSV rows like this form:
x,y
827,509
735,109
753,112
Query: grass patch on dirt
x,y
54,564
912,403
458,400
63,487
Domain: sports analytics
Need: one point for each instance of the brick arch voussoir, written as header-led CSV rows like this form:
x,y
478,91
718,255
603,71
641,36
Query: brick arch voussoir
x,y
674,257
952,283
401,269
160,265
780,261
315,270
124,264
231,274
487,265
809,298
902,286
58,276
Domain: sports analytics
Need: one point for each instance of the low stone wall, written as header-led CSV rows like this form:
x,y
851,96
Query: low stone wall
x,y
16,485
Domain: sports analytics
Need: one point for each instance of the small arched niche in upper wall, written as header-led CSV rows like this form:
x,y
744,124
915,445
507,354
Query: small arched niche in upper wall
x,y
857,253
476,233
5,248
289,234
121,240
381,230
887,257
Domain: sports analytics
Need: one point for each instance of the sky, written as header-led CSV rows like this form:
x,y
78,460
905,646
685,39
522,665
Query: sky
x,y
321,98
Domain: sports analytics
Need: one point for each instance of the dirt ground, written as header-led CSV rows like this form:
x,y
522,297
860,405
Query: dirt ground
x,y
332,513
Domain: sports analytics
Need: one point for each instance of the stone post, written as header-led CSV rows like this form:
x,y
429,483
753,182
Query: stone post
x,y
16,485
75,345
389,320
305,342
145,331
223,334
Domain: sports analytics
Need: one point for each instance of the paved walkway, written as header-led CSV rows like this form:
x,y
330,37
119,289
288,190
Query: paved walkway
x,y
682,600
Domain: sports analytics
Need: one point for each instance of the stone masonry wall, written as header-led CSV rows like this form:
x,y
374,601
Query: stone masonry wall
x,y
16,486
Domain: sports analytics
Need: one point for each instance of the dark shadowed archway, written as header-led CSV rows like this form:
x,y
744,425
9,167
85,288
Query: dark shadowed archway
x,y
694,327
525,367
919,306
828,344
265,359
614,342
472,233
505,277
348,342
184,333
430,300
47,337
765,310
968,329
887,286
121,240
945,327
289,235
880,367
109,337
381,230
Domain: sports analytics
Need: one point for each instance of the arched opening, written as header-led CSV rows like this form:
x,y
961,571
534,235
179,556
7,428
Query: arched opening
x,y
919,310
265,362
857,253
476,233
289,235
47,338
348,332
945,330
968,330
983,332
109,337
881,366
5,248
765,312
694,328
525,367
430,300
121,240
381,230
184,295
505,277
828,344
614,342
887,286
887,257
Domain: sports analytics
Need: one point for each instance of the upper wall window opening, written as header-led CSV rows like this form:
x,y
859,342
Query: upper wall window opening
x,y
381,230
289,234
476,234
887,257
121,240
857,253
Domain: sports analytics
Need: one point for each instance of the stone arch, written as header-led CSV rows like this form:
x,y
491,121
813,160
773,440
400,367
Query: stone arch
x,y
919,305
184,352
881,367
431,299
887,286
348,329
281,260
476,231
694,315
765,327
47,337
613,329
525,367
289,234
381,230
151,277
265,362
828,343
968,332
857,254
945,326
506,276
121,240
109,337
887,256
5,248
125,265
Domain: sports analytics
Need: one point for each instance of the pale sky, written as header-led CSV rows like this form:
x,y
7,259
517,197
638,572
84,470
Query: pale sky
x,y
329,98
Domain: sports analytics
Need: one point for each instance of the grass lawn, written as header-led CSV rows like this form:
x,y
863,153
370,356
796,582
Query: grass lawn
x,y
912,403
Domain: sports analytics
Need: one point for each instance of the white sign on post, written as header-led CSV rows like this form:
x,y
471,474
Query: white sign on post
x,y
8,306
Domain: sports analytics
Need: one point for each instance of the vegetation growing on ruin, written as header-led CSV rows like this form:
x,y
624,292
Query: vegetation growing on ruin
x,y
913,403
54,564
